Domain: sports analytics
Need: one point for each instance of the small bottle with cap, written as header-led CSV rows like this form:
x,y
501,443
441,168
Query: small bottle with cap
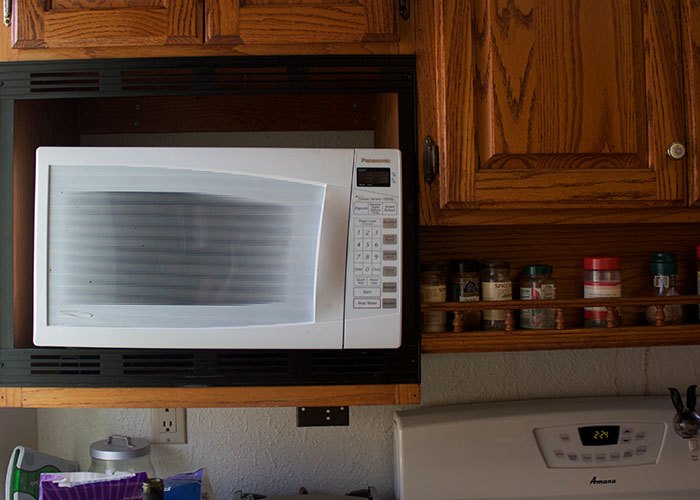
x,y
663,270
152,489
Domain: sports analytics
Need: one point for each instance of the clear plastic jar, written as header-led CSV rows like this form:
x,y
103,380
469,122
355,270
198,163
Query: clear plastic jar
x,y
121,454
537,284
464,287
495,285
663,270
602,278
433,288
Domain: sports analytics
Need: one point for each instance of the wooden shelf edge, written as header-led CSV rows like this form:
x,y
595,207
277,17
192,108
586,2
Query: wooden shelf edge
x,y
209,397
544,340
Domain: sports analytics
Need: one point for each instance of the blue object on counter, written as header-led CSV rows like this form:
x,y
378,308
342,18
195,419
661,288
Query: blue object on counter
x,y
185,486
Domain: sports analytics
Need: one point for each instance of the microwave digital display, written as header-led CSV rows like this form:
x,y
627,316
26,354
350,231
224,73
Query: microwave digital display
x,y
373,177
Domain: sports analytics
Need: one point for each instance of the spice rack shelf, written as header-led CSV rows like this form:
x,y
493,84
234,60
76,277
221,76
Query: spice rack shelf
x,y
563,336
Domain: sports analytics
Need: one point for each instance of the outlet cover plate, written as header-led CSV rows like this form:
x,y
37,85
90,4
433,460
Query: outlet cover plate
x,y
323,416
168,426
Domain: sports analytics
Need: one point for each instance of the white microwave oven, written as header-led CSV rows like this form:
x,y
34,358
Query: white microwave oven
x,y
220,248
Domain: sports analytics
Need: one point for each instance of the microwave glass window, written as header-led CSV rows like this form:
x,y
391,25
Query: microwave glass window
x,y
194,245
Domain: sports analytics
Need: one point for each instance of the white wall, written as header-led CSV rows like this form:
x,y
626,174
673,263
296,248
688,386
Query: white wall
x,y
18,427
261,449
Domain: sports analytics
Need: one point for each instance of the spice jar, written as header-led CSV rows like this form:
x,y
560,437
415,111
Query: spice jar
x,y
495,285
602,278
121,454
433,288
464,287
537,284
152,489
663,271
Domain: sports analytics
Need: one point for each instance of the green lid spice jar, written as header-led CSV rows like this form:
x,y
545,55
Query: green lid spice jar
x,y
663,270
464,287
537,284
495,285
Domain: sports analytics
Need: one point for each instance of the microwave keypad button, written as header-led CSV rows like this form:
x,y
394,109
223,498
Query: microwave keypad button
x,y
375,232
389,271
374,281
357,269
367,256
376,270
375,208
389,239
367,292
388,303
358,257
389,223
390,208
376,257
389,287
389,255
361,208
360,281
366,304
586,457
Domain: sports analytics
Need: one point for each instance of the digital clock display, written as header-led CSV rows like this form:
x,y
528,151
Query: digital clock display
x,y
599,435
373,177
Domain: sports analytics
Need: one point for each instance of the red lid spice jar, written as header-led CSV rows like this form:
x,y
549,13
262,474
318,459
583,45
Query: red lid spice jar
x,y
602,278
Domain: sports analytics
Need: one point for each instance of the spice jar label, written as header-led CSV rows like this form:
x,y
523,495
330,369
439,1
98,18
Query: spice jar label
x,y
433,293
496,291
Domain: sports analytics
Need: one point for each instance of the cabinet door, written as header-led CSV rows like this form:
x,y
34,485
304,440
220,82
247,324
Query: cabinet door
x,y
99,23
299,21
558,104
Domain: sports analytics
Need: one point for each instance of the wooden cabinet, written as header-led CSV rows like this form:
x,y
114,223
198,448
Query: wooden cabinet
x,y
100,23
542,104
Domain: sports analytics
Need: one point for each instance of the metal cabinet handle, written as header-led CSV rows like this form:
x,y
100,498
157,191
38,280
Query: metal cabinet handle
x,y
7,12
676,151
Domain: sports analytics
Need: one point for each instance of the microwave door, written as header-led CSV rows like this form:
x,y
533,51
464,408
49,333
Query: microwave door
x,y
156,257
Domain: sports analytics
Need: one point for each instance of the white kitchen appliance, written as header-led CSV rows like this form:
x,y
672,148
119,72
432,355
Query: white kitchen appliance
x,y
583,448
236,248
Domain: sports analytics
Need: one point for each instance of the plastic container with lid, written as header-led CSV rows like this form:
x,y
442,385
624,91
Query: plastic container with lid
x,y
537,284
663,270
602,278
121,454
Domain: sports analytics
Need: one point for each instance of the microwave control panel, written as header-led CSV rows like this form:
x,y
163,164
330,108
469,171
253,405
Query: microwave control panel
x,y
373,274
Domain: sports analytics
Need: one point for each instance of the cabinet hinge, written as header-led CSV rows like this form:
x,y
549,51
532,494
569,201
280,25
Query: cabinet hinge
x,y
430,160
7,12
404,9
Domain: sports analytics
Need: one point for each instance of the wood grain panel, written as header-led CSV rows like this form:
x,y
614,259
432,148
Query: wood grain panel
x,y
211,397
10,397
237,113
27,28
557,88
691,51
37,123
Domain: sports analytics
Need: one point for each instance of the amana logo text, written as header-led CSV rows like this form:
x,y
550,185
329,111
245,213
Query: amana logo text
x,y
595,480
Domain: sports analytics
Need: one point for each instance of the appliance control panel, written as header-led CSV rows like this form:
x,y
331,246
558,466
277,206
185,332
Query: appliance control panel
x,y
610,444
373,274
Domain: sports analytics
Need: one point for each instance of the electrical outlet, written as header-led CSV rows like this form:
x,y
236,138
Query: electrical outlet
x,y
168,426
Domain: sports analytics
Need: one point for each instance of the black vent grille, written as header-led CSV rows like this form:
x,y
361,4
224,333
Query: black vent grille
x,y
360,363
62,364
174,365
65,82
157,79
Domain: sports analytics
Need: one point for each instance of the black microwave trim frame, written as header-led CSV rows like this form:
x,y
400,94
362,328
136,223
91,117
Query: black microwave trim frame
x,y
95,367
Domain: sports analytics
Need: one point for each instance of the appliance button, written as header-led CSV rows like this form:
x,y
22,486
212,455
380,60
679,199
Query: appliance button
x,y
559,453
389,287
365,304
376,245
367,292
366,232
360,281
367,270
389,239
628,454
373,281
586,457
376,270
390,208
358,231
615,456
564,437
389,223
357,269
640,435
389,255
358,257
367,256
626,439
388,303
361,208
627,431
375,231
375,257
573,457
601,457
389,271
641,450
375,208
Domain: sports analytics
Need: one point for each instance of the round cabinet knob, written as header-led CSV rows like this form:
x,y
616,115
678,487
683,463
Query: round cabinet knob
x,y
676,151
